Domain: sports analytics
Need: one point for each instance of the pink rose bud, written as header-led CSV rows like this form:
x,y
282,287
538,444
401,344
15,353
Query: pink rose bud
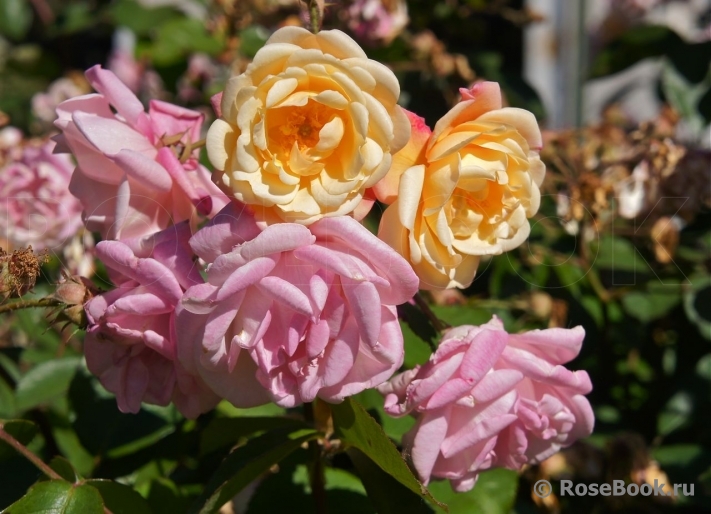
x,y
488,398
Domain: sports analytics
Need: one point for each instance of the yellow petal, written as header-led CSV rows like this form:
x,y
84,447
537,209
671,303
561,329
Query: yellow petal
x,y
220,141
280,90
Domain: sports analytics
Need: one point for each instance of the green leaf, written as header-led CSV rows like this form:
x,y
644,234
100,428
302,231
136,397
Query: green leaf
x,y
164,497
141,20
685,96
703,367
75,18
618,254
7,400
418,324
682,455
336,478
387,495
570,277
462,314
119,498
69,445
288,489
652,304
593,306
102,428
179,37
417,351
676,413
33,323
45,382
223,432
395,428
247,463
23,431
356,428
494,493
252,39
15,18
58,497
64,468
10,367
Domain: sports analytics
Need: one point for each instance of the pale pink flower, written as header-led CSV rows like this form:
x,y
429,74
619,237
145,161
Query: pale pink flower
x,y
44,104
487,399
377,21
37,208
122,60
128,180
130,343
313,307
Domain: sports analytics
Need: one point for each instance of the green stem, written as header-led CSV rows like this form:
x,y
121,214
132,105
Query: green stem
x,y
316,472
28,304
315,16
437,323
34,459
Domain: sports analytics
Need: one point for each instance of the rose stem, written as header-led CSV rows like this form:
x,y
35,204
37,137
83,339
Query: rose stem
x,y
437,323
28,304
34,459
316,477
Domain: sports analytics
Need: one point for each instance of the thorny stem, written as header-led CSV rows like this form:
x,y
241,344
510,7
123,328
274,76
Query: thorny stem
x,y
437,323
28,304
316,476
34,459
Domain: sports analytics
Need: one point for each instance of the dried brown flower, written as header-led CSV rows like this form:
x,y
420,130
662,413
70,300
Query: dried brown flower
x,y
665,237
19,271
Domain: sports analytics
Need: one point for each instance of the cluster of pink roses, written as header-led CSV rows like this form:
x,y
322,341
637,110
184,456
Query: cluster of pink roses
x,y
298,299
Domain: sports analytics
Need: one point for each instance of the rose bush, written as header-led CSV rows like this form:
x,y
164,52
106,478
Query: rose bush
x,y
488,398
313,308
469,193
128,178
307,127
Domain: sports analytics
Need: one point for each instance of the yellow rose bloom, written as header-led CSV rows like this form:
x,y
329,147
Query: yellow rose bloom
x,y
470,192
307,127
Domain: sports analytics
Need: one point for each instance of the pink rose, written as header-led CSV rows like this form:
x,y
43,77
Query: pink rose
x,y
130,342
122,60
44,104
128,179
488,398
37,208
313,307
377,21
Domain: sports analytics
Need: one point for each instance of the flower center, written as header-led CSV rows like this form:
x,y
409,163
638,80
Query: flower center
x,y
298,124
